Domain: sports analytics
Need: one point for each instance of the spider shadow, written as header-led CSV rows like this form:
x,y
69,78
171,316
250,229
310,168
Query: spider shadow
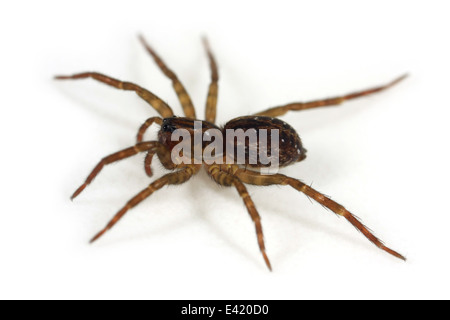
x,y
294,218
271,210
154,209
203,211
104,103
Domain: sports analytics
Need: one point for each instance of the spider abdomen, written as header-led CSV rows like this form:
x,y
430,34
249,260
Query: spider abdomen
x,y
274,138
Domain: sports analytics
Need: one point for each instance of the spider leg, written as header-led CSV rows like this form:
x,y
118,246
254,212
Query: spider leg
x,y
122,154
146,125
227,179
281,110
211,100
163,156
256,178
178,177
159,105
148,163
182,94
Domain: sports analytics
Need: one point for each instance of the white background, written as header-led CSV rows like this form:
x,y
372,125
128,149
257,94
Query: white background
x,y
384,157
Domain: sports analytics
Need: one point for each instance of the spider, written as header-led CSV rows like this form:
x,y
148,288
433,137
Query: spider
x,y
229,174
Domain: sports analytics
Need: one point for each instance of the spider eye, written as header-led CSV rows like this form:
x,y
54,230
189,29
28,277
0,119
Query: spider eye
x,y
168,128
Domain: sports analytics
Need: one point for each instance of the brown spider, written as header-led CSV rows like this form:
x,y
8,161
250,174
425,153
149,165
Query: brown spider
x,y
229,174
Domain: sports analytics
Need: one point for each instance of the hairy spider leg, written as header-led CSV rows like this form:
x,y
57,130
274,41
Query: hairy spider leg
x,y
211,100
146,125
256,178
122,154
296,106
159,105
178,177
224,178
148,163
181,92
165,157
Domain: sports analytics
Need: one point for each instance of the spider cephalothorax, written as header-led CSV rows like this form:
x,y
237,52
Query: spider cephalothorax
x,y
186,162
